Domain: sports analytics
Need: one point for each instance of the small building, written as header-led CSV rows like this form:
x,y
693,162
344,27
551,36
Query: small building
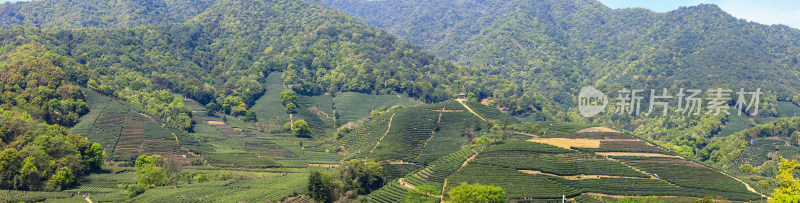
x,y
462,96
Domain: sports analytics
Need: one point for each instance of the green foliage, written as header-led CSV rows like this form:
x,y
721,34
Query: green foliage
x,y
326,52
38,156
301,129
149,170
747,169
789,190
725,151
288,96
555,47
62,178
320,186
38,82
476,193
71,14
290,108
362,177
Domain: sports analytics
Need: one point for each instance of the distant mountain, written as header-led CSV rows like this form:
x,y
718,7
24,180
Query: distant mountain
x,y
557,46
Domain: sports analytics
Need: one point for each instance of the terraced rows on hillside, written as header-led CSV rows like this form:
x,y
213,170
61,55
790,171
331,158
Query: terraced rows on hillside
x,y
543,171
526,170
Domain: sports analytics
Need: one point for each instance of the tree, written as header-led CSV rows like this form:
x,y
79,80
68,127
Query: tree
x,y
288,96
172,170
62,178
423,194
287,126
362,177
250,116
301,128
97,156
471,97
476,193
290,108
789,190
320,186
747,169
149,169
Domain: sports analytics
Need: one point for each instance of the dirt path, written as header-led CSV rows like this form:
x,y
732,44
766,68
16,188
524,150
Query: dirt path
x,y
636,154
405,184
597,129
621,196
444,185
326,165
470,109
433,132
522,133
751,189
567,143
645,172
384,135
577,177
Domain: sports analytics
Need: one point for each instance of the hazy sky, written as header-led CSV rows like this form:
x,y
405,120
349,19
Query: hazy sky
x,y
768,12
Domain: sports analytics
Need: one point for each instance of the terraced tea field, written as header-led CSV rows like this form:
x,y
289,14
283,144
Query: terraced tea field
x,y
543,172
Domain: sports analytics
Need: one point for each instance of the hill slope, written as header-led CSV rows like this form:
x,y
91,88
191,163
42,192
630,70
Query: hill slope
x,y
419,134
102,14
598,164
559,46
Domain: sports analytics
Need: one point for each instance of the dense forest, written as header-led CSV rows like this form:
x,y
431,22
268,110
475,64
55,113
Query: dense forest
x,y
98,13
222,57
39,98
556,46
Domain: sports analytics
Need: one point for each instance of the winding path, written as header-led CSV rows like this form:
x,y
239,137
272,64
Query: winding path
x,y
444,185
384,135
469,109
433,132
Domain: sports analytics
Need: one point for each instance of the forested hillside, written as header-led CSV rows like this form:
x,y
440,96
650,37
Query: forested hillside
x,y
98,13
222,56
39,98
558,46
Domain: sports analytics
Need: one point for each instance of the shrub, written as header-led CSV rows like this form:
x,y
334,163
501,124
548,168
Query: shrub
x,y
476,193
